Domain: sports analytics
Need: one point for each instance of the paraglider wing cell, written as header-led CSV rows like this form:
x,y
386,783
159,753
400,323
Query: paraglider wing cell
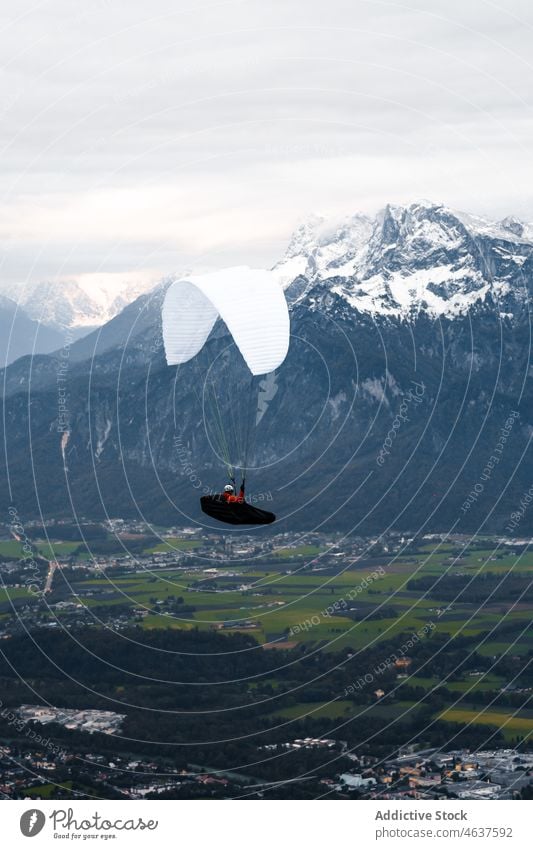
x,y
188,319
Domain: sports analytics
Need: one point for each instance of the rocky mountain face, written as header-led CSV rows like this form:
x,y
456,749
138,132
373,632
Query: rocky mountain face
x,y
421,258
405,400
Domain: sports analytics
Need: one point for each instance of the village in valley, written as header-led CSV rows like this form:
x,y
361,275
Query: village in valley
x,y
375,610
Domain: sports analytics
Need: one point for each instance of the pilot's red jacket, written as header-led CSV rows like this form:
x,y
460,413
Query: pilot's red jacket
x,y
234,499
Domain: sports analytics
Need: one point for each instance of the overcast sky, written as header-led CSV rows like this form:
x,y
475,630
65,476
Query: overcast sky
x,y
149,136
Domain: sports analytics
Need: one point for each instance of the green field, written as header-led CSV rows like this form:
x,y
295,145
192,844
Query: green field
x,y
494,648
11,593
469,684
344,710
298,551
13,549
298,602
174,544
45,791
510,725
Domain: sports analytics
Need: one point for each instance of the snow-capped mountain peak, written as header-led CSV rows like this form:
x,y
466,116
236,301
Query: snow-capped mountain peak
x,y
323,247
89,301
421,257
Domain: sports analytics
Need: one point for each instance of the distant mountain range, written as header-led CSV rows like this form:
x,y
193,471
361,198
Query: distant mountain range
x,y
50,313
405,400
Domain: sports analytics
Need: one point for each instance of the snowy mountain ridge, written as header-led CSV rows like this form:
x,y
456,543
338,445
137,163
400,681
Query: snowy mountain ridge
x,y
82,304
421,257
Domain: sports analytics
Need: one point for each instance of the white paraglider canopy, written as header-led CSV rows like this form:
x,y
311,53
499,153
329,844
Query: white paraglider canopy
x,y
252,304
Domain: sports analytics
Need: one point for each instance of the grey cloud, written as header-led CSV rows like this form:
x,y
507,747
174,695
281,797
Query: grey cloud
x,y
207,116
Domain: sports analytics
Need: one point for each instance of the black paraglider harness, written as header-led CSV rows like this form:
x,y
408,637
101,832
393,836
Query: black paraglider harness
x,y
235,512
